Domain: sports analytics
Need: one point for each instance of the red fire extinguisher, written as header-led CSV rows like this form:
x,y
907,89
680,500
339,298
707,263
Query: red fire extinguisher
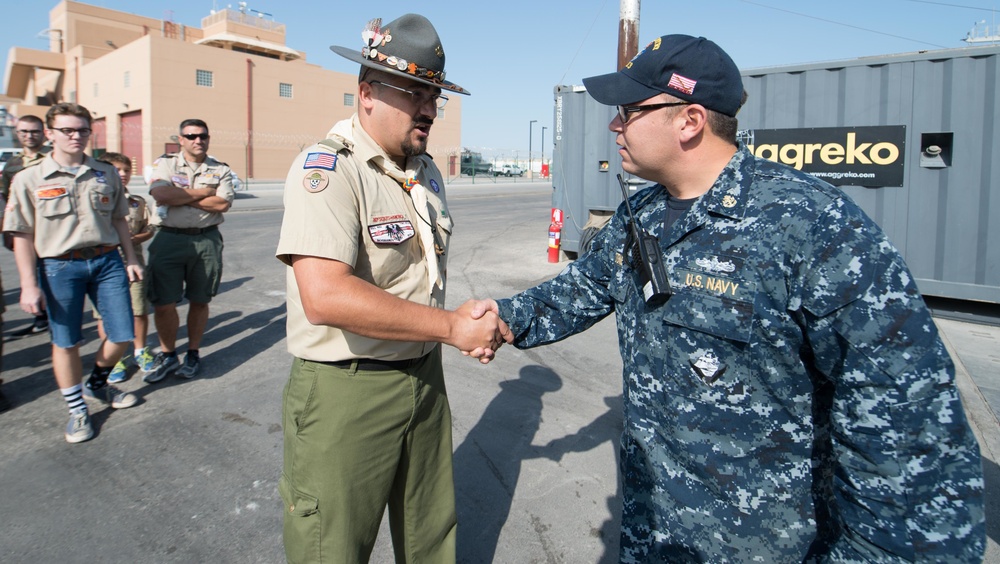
x,y
555,234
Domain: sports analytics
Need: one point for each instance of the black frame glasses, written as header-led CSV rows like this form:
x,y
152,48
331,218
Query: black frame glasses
x,y
69,131
193,136
419,98
625,111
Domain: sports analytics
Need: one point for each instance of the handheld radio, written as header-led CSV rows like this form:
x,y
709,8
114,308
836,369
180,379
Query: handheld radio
x,y
646,255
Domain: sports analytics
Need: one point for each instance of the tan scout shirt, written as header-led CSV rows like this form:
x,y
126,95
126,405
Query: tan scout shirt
x,y
138,222
346,206
211,173
66,210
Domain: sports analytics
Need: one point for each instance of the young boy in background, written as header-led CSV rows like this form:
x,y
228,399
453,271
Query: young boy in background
x,y
141,231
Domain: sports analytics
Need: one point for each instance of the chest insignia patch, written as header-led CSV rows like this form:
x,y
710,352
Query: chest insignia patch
x,y
99,177
708,367
392,233
728,201
316,181
435,186
180,180
715,265
49,192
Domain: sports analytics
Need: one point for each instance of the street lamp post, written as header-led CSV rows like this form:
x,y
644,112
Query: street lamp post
x,y
543,145
530,131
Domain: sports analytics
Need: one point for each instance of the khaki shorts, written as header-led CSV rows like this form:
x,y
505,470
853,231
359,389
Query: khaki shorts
x,y
184,266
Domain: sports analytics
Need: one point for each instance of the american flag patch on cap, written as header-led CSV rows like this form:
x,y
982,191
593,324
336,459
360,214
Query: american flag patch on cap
x,y
682,83
325,161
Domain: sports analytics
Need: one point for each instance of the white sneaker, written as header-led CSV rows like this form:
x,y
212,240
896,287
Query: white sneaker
x,y
112,395
78,429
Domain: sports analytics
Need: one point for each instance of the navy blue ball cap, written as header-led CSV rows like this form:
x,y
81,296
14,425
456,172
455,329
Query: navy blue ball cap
x,y
692,69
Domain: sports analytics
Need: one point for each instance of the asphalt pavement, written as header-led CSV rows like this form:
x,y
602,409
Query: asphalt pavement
x,y
190,474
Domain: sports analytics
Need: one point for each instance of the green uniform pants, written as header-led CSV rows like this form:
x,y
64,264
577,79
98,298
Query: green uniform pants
x,y
357,441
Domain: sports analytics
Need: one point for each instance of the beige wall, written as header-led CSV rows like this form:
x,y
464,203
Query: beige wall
x,y
162,86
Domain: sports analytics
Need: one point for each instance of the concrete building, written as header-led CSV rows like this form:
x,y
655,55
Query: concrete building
x,y
140,77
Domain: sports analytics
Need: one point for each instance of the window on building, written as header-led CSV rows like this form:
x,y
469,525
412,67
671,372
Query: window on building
x,y
349,100
284,90
440,113
203,77
127,79
95,90
72,96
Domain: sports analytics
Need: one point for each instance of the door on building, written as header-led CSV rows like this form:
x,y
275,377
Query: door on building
x,y
131,138
99,137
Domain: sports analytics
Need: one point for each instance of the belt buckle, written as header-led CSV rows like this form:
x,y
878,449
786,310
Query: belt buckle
x,y
88,253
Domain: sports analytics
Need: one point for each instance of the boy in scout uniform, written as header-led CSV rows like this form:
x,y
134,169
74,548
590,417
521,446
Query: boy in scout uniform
x,y
142,231
185,257
68,216
365,235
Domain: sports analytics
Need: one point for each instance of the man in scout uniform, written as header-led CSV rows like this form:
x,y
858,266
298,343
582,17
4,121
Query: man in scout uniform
x,y
31,135
185,257
67,215
365,235
791,400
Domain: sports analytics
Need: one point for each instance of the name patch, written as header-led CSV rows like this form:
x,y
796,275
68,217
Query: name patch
x,y
717,285
392,233
49,192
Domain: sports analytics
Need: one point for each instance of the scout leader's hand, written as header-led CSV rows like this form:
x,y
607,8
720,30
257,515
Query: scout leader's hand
x,y
483,334
481,308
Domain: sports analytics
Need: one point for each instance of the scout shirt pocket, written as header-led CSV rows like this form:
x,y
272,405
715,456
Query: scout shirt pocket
x,y
53,200
102,198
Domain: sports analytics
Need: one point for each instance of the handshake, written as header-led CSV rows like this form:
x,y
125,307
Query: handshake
x,y
478,331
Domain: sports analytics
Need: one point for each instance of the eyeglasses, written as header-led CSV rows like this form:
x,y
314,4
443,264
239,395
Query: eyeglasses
x,y
29,131
625,111
69,131
193,136
419,98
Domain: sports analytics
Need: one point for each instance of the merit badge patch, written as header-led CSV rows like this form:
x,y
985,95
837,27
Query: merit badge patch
x,y
435,186
391,233
325,161
316,181
180,180
99,177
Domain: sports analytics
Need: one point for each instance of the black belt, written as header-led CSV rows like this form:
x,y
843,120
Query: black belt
x,y
374,365
188,230
86,253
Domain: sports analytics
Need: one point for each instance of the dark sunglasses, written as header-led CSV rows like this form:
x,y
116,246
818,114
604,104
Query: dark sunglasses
x,y
624,112
193,136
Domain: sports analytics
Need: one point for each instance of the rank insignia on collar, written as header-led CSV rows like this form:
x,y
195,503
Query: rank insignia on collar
x,y
708,367
728,201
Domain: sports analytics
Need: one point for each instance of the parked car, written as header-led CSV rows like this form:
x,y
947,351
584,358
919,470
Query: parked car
x,y
510,170
5,155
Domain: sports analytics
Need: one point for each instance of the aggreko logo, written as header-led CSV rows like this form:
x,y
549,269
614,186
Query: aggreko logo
x,y
798,155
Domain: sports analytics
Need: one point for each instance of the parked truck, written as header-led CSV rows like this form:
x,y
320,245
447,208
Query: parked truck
x,y
912,138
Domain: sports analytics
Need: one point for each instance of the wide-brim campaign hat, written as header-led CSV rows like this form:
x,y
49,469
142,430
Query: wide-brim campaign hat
x,y
692,69
408,46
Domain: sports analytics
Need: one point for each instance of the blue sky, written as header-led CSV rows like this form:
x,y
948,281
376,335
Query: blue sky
x,y
512,54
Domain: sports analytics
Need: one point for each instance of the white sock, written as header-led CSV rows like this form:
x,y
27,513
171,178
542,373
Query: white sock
x,y
74,398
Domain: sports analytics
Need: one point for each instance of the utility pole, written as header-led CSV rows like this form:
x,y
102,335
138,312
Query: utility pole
x,y
628,31
531,130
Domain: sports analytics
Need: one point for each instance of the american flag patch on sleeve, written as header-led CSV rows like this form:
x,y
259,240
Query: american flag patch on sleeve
x,y
325,161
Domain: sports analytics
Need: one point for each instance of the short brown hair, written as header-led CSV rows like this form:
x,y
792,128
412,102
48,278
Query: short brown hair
x,y
116,158
66,109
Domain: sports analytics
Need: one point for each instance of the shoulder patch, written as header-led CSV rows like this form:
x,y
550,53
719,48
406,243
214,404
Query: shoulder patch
x,y
325,161
334,144
316,181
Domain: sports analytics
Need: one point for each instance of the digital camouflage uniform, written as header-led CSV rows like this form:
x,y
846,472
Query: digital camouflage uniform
x,y
792,400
